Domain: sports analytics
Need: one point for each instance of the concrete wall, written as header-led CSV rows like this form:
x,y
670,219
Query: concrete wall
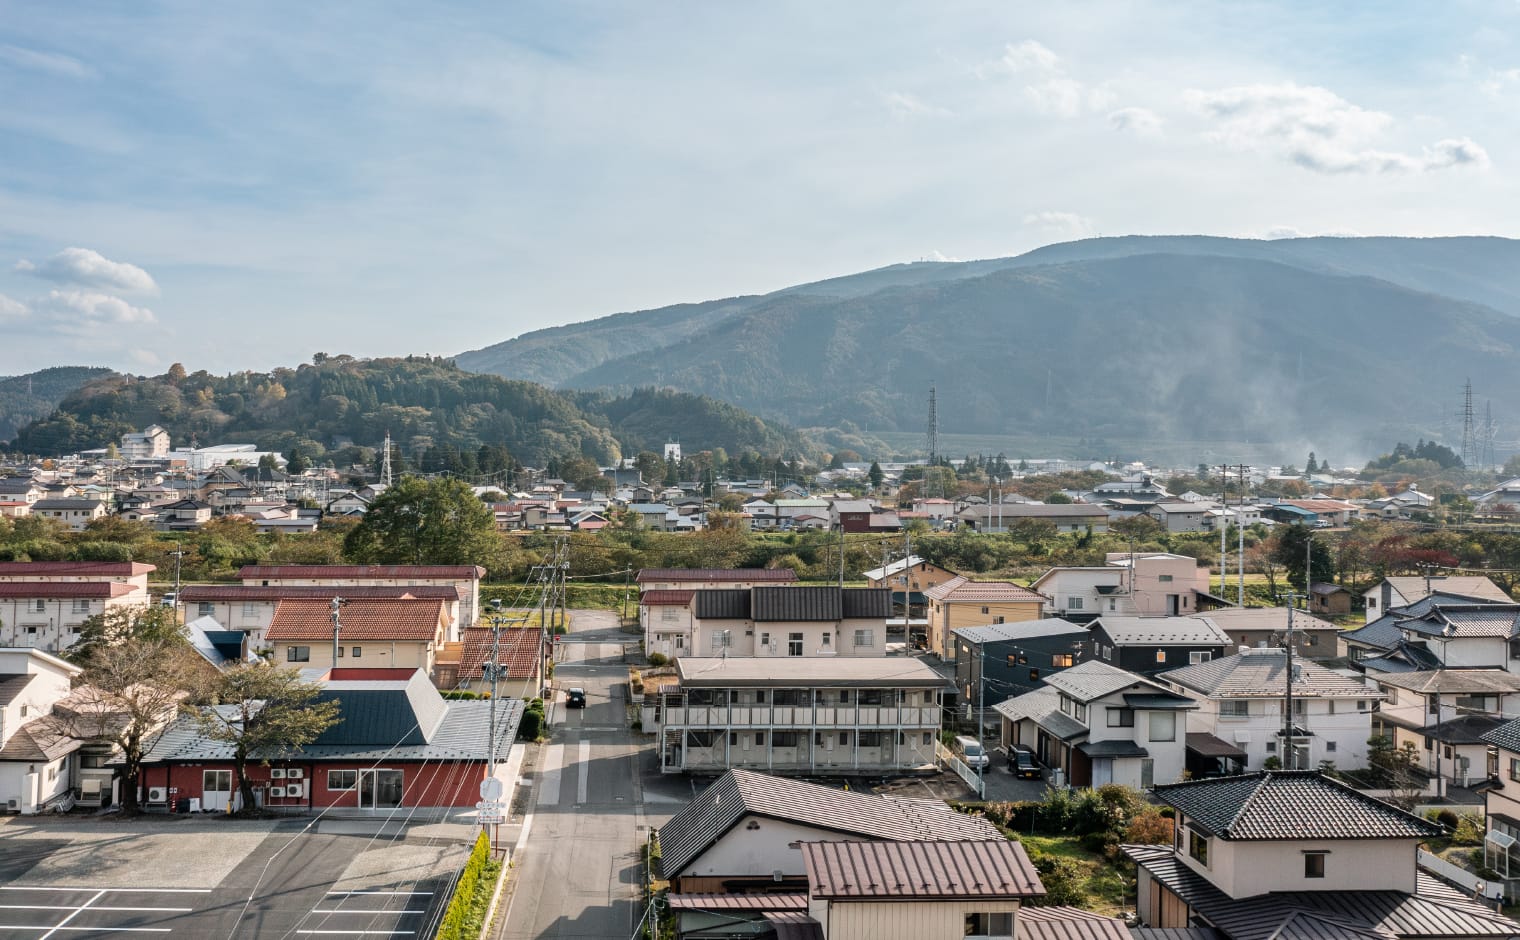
x,y
56,627
1348,729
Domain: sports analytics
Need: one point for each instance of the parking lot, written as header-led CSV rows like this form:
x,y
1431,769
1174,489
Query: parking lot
x,y
213,877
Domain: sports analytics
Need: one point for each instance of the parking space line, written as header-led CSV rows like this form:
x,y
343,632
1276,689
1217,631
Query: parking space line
x,y
357,893
52,930
77,911
382,910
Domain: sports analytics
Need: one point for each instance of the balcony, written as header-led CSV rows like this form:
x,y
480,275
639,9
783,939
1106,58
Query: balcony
x,y
800,716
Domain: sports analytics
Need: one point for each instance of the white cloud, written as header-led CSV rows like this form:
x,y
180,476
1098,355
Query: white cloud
x,y
937,255
1029,55
1060,223
1142,122
1498,82
1318,130
75,308
10,307
903,106
86,268
1048,87
50,62
1282,231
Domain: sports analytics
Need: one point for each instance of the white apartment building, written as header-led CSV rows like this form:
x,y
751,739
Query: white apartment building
x,y
1152,584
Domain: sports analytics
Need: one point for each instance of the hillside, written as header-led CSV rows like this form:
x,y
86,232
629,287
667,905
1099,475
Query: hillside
x,y
342,407
1168,346
25,398
1478,270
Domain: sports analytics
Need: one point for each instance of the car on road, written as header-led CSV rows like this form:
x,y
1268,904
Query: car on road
x,y
972,752
1021,763
575,698
1323,524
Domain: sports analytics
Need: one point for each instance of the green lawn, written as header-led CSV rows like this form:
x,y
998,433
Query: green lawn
x,y
1109,889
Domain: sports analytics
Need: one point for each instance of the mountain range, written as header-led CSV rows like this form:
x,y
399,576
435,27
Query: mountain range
x,y
1362,340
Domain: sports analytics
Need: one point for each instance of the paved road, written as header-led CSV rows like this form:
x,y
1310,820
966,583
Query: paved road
x,y
577,875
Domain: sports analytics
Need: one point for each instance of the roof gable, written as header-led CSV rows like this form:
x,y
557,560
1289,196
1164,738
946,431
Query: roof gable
x,y
1287,805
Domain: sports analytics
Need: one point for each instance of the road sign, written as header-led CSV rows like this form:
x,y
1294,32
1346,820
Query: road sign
x,y
490,789
490,812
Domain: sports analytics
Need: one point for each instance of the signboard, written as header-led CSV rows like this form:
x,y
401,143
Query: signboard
x,y
490,789
490,812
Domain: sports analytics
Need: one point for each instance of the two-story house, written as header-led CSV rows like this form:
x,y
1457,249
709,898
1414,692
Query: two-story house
x,y
1149,645
962,602
796,621
1313,638
1445,713
1403,591
36,762
1152,584
665,595
1284,854
465,578
998,661
1181,515
250,608
74,513
813,716
1239,724
1384,645
1096,724
372,633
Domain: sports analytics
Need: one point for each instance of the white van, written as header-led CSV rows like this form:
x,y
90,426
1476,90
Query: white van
x,y
972,752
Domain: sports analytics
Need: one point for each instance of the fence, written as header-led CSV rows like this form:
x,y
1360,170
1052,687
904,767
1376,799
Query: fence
x,y
961,768
1441,868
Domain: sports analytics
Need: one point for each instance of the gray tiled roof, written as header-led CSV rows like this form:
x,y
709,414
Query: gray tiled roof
x,y
1454,680
1093,679
1382,633
1258,673
1465,621
1297,804
1144,631
740,793
1506,735
1020,630
1043,707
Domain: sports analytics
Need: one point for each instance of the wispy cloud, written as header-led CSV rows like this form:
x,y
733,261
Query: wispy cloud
x,y
1068,224
1142,122
903,106
1319,130
12,308
86,268
51,62
1047,85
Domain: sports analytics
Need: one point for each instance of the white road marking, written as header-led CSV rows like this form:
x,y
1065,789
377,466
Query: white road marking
x,y
77,911
335,910
109,890
583,768
553,775
357,933
357,893
70,907
52,930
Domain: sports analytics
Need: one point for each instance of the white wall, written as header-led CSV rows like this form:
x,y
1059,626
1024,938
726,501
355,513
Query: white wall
x,y
1347,728
903,920
1244,869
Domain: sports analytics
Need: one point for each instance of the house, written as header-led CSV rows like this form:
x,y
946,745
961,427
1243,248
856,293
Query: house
x,y
250,608
1281,854
48,615
21,490
1240,719
374,633
1095,724
1313,638
1066,517
347,504
1181,516
74,513
1403,591
1445,713
1501,805
1384,645
962,602
816,716
133,573
398,746
1149,645
1014,658
37,764
1337,512
790,511
795,621
741,835
853,515
907,578
656,516
1151,584
466,578
681,579
183,515
1329,600
520,652
959,888
151,443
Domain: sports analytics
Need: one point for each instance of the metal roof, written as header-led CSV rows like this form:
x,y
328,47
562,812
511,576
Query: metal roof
x,y
1067,923
1020,630
361,572
741,793
1262,618
962,590
1454,680
1093,679
1260,673
891,672
737,902
50,589
723,604
1300,804
1043,707
666,598
1207,745
1161,631
796,603
412,621
93,569
715,574
193,593
962,869
1413,588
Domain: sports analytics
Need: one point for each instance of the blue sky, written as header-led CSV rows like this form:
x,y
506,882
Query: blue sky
x,y
241,185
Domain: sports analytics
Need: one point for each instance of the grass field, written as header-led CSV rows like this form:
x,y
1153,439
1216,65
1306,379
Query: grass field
x,y
1109,889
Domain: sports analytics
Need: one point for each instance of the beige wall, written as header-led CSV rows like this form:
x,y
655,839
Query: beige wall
x,y
902,919
1246,869
469,591
945,616
819,638
56,627
374,654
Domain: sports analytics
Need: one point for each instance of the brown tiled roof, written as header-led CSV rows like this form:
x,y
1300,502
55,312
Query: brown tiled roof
x,y
46,589
38,740
715,574
369,572
985,869
77,569
274,592
962,589
519,652
1067,923
666,598
411,621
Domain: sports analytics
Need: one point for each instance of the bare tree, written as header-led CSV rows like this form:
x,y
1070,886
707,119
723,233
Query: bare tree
x,y
1261,557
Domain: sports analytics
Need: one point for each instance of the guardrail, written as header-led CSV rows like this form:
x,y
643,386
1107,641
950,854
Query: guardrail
x,y
1441,868
961,768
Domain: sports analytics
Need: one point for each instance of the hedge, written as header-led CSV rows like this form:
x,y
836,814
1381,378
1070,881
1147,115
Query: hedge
x,y
472,894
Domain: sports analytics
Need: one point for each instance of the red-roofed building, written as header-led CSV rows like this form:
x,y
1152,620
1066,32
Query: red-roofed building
x,y
250,608
677,579
961,602
375,633
48,615
466,578
522,654
666,619
127,572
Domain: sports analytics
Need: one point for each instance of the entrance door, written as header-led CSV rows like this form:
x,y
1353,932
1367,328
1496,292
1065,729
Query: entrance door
x,y
216,790
379,789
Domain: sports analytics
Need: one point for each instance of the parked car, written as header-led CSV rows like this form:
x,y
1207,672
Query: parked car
x,y
575,698
1021,763
972,752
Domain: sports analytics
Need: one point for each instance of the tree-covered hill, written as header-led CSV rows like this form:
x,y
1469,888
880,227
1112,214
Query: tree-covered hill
x,y
341,408
25,398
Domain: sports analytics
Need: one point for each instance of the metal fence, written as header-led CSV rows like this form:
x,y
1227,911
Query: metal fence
x,y
965,771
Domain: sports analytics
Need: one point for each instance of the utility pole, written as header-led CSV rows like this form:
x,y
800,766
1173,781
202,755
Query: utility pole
x,y
178,553
981,718
1240,527
1224,528
337,621
1290,753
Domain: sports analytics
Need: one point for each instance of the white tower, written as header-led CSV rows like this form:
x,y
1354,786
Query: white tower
x,y
673,451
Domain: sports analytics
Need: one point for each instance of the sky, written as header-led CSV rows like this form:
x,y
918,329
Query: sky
x,y
239,186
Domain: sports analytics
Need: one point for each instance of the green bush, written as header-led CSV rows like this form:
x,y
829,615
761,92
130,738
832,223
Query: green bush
x,y
463,694
1468,830
1062,879
1446,818
658,659
466,912
532,724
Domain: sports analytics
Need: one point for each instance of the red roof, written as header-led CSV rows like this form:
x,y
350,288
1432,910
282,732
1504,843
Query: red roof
x,y
370,572
666,598
519,652
95,569
996,868
716,574
47,589
274,592
411,621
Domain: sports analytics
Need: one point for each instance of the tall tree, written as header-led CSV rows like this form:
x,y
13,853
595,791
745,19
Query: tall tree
x,y
420,521
876,474
1289,553
263,712
125,625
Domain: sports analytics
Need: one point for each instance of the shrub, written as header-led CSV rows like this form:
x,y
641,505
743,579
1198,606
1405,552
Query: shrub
x,y
532,724
1149,828
1056,811
1062,879
472,894
462,694
658,659
1100,843
1469,830
1446,818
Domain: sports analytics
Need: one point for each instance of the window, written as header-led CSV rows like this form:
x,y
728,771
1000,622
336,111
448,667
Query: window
x,y
669,614
828,638
1079,712
1198,847
844,739
733,739
784,739
928,737
38,606
998,619
298,654
1074,603
1514,768
340,652
870,696
794,644
680,642
791,697
765,641
1062,660
1034,674
701,739
1163,726
986,610
870,739
358,651
1311,640
864,637
1432,704
342,779
81,605
204,609
1164,578
1314,864
1391,692
1329,747
1234,708
1300,707
1478,703
25,710
719,640
1196,658
1121,717
1271,747
759,739
1160,656
1361,704
250,609
989,925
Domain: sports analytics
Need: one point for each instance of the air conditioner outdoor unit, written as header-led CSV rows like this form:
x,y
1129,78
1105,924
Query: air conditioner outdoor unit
x,y
294,773
158,794
13,806
277,773
277,792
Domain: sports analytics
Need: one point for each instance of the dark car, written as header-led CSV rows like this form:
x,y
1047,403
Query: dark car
x,y
1021,763
575,698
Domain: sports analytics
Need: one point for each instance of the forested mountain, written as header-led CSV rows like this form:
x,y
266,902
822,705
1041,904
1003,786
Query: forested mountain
x,y
433,411
25,398
1176,338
